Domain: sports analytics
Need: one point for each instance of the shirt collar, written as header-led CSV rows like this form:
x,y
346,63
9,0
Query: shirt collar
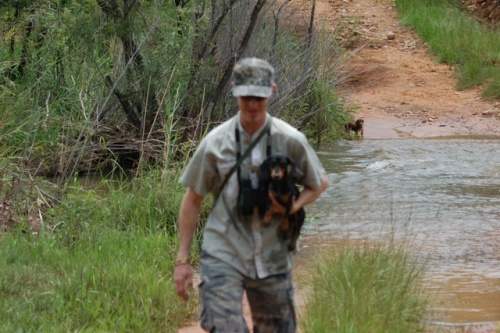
x,y
242,130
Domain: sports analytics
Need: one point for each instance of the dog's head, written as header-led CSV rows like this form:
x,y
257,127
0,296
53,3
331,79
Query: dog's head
x,y
360,122
276,166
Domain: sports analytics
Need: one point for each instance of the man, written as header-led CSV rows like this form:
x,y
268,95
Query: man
x,y
239,252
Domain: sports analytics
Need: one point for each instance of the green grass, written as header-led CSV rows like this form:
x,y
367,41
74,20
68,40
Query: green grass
x,y
458,39
362,289
107,281
103,262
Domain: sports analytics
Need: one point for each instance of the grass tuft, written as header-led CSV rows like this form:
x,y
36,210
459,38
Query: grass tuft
x,y
365,289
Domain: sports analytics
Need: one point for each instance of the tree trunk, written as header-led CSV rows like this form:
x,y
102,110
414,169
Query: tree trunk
x,y
125,103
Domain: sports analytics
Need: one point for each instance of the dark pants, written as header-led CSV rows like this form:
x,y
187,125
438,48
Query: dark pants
x,y
221,290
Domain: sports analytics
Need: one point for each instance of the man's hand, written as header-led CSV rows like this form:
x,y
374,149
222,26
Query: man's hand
x,y
188,217
183,278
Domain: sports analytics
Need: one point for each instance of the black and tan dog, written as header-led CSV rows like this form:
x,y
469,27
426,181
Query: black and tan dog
x,y
356,127
276,175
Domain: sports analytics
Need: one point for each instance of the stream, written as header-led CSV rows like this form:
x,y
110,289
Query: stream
x,y
441,195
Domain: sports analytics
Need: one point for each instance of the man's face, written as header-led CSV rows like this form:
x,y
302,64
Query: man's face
x,y
252,110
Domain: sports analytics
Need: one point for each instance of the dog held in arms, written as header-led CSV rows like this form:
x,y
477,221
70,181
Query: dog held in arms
x,y
356,127
276,173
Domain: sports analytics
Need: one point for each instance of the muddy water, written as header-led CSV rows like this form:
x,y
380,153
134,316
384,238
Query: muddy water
x,y
440,195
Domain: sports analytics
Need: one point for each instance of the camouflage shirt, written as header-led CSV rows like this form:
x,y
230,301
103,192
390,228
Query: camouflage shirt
x,y
253,248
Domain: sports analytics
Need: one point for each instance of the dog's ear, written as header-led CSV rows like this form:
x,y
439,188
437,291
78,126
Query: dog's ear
x,y
295,171
297,174
264,167
290,166
264,171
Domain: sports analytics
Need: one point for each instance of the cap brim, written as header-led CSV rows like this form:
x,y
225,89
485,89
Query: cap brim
x,y
258,91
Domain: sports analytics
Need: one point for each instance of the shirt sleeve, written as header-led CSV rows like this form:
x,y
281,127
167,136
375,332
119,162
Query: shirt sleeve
x,y
200,173
306,159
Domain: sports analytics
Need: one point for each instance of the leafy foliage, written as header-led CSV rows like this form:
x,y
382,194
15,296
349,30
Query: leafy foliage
x,y
126,80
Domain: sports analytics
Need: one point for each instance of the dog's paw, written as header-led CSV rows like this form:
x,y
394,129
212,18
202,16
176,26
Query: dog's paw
x,y
267,219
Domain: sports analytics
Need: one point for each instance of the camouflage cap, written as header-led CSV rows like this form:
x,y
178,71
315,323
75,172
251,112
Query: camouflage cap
x,y
253,77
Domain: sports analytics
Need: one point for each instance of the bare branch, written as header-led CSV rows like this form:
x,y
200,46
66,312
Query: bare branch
x,y
310,29
229,65
276,15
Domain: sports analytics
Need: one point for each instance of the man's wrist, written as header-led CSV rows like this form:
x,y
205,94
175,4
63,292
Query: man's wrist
x,y
182,261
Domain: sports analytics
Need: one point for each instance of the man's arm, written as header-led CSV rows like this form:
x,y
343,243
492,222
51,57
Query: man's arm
x,y
188,218
307,196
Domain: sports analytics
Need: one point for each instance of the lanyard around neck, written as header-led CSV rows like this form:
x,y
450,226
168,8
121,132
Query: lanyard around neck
x,y
266,130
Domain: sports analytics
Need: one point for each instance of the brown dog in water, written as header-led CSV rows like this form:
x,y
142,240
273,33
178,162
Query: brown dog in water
x,y
356,127
276,175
